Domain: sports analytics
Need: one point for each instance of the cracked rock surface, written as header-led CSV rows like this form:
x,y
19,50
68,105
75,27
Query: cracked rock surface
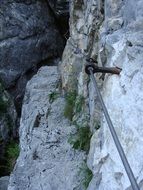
x,y
46,161
28,36
110,32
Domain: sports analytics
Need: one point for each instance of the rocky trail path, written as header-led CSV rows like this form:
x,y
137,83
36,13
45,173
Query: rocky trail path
x,y
46,160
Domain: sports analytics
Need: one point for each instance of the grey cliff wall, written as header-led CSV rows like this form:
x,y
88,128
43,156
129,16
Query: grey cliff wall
x,y
121,33
28,36
110,32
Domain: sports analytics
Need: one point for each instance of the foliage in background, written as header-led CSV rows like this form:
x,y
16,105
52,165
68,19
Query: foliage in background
x,y
8,160
9,149
70,103
12,153
81,139
85,175
3,106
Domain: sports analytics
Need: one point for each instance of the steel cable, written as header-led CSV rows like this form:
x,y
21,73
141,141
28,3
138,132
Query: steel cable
x,y
114,135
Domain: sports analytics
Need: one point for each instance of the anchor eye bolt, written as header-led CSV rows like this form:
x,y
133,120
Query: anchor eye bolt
x,y
90,66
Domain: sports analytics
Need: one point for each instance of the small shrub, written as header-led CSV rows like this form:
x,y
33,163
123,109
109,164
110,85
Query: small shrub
x,y
81,139
86,175
53,96
70,103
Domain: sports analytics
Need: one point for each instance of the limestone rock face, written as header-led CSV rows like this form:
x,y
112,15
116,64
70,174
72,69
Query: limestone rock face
x,y
111,33
28,36
46,159
122,95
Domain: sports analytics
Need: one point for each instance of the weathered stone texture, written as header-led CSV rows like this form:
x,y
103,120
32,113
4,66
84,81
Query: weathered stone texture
x,y
28,36
111,33
46,159
114,39
122,95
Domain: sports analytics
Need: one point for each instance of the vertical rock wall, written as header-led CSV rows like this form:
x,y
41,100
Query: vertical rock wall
x,y
28,36
111,32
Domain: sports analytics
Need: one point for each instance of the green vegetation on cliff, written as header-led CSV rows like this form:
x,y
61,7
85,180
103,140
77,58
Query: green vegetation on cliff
x,y
70,103
81,138
7,161
86,175
8,145
12,152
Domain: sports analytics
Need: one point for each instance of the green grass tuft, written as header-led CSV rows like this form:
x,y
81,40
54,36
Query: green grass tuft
x,y
79,103
70,103
81,139
8,160
86,175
